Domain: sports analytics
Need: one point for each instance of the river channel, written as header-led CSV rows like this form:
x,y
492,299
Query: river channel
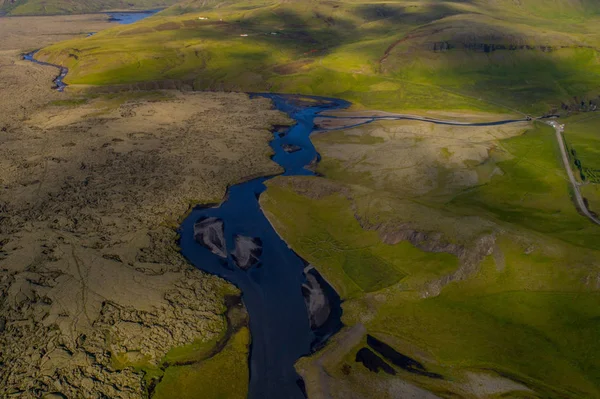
x,y
293,311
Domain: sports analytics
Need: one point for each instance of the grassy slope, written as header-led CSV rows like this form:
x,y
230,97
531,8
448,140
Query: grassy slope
x,y
529,312
223,376
56,7
532,192
377,55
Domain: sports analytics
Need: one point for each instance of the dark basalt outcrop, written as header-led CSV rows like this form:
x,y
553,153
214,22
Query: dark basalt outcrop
x,y
398,359
483,47
317,303
247,251
373,362
210,233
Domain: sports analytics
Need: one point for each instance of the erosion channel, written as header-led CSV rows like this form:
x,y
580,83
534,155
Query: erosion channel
x,y
292,309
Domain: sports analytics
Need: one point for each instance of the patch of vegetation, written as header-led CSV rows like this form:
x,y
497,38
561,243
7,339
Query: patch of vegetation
x,y
532,191
582,135
178,369
224,376
328,235
68,103
193,352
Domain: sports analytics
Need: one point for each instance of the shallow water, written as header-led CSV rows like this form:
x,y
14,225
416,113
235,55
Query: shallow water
x,y
272,289
58,81
125,18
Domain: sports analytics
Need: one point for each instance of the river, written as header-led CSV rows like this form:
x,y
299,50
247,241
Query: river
x,y
235,241
129,17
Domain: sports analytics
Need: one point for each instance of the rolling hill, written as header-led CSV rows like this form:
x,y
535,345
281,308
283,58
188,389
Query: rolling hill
x,y
533,57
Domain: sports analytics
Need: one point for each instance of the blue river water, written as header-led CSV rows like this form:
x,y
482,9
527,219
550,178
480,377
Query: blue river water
x,y
129,17
274,288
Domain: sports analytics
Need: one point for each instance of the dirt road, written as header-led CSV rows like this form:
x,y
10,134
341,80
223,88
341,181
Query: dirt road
x,y
558,128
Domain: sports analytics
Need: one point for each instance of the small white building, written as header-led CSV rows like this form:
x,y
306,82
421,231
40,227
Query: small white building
x,y
202,18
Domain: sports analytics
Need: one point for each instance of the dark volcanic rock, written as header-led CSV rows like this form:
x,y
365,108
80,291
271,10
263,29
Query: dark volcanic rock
x,y
247,251
373,362
316,301
289,148
398,359
210,233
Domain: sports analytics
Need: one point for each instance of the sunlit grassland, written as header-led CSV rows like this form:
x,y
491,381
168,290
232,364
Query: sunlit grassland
x,y
355,261
375,55
529,316
533,191
529,311
582,136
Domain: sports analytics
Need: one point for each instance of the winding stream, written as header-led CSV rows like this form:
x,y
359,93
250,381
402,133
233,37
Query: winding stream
x,y
235,241
122,18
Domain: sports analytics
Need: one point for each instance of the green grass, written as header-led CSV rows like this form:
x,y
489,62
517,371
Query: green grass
x,y
193,352
224,376
326,233
523,321
582,135
530,316
376,55
530,311
75,102
533,191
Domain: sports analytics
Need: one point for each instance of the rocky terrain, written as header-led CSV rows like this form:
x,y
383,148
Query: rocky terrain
x,y
90,268
26,86
93,189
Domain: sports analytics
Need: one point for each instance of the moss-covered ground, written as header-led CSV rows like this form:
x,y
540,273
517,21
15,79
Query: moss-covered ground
x,y
223,376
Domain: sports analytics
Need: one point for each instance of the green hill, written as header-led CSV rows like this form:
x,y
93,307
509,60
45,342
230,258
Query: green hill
x,y
536,56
